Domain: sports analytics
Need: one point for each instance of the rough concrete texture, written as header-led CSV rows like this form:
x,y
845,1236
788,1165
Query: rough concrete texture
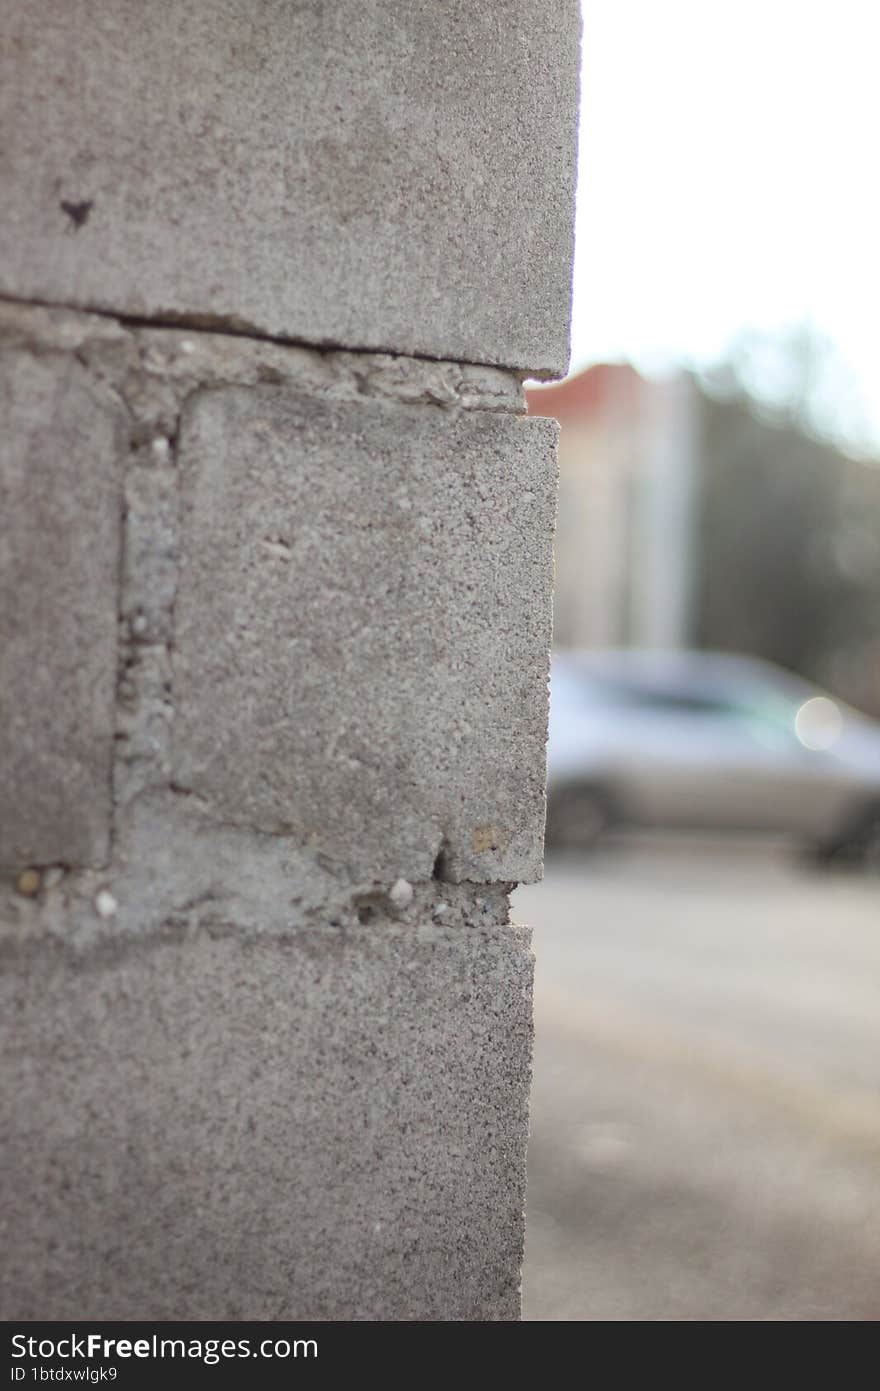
x,y
270,1059
393,174
361,630
361,526
327,1125
173,867
154,370
61,503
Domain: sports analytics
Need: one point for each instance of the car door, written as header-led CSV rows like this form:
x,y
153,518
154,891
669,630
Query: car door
x,y
684,752
777,779
725,763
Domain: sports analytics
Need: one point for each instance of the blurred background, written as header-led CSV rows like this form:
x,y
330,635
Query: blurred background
x,y
706,1111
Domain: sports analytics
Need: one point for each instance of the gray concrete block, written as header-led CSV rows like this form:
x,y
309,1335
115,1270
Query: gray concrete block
x,y
390,174
60,504
362,628
327,1125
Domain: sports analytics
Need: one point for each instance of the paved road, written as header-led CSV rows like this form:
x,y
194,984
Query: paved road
x,y
706,1106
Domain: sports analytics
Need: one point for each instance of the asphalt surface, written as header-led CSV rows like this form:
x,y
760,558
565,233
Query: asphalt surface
x,y
706,1104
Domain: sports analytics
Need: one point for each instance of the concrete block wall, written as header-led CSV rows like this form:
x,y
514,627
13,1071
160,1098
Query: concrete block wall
x,y
275,607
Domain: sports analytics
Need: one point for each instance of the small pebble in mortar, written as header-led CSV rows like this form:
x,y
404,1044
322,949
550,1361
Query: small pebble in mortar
x,y
105,904
28,883
401,893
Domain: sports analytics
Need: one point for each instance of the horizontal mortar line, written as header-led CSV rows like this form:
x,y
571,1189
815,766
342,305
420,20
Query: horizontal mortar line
x,y
109,944
197,323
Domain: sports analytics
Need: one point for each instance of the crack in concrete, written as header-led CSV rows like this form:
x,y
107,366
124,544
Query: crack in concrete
x,y
477,377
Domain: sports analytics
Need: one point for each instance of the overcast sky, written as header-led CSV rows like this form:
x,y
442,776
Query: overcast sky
x,y
728,178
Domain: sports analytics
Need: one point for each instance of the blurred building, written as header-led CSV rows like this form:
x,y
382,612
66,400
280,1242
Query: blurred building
x,y
688,520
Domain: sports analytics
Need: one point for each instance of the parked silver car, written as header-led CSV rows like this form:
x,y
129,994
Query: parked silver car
x,y
710,741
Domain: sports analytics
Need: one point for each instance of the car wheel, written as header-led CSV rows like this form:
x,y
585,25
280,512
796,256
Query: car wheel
x,y
869,841
859,843
577,817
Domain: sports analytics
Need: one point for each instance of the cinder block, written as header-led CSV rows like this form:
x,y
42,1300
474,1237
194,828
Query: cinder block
x,y
393,174
60,504
329,1125
362,629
